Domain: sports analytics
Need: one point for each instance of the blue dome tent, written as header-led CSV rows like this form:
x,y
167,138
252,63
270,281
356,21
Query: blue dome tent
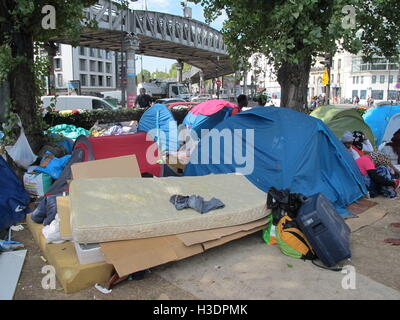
x,y
159,122
281,148
378,119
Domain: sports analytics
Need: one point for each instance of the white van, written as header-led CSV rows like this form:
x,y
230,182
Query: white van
x,y
76,102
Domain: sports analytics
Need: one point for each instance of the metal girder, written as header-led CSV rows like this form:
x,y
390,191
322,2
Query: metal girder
x,y
161,35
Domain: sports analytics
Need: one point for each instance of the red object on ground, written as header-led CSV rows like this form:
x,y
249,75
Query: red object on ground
x,y
123,145
393,242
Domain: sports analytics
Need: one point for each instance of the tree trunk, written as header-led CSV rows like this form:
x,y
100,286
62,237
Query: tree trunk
x,y
293,79
22,89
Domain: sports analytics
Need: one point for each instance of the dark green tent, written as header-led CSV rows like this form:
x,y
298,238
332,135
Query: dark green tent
x,y
340,120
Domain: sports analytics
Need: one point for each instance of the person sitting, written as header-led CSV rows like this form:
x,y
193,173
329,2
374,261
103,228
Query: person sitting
x,y
392,148
361,144
378,176
347,140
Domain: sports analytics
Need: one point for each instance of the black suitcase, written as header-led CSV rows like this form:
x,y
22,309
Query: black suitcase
x,y
325,229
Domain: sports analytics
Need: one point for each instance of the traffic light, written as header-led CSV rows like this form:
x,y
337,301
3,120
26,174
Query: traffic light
x,y
327,60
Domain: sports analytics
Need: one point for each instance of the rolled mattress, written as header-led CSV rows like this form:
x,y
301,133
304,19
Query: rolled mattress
x,y
115,209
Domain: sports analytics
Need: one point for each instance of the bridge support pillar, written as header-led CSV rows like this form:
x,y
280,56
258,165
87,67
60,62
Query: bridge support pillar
x,y
131,45
202,90
179,71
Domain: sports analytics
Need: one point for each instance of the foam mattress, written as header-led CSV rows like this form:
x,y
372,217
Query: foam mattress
x,y
115,209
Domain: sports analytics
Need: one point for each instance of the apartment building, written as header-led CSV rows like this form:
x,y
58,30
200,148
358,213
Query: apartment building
x,y
350,76
94,68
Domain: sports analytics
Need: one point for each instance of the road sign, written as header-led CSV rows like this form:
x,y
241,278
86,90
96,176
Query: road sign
x,y
218,82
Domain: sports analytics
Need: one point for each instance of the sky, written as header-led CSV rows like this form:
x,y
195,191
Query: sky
x,y
173,7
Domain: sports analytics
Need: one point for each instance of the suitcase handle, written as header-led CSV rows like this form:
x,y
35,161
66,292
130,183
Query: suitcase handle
x,y
318,227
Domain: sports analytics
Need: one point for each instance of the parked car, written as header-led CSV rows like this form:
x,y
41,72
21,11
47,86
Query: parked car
x,y
182,105
76,102
167,101
201,98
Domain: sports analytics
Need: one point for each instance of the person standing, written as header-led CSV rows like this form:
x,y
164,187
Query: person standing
x,y
143,100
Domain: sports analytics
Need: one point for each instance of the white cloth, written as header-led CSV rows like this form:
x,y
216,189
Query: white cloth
x,y
52,231
389,152
354,153
367,146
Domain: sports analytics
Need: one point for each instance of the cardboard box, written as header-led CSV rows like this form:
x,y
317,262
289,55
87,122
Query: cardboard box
x,y
72,275
120,167
89,253
63,210
37,184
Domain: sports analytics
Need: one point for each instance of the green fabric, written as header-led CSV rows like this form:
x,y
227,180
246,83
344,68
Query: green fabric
x,y
68,131
340,120
286,249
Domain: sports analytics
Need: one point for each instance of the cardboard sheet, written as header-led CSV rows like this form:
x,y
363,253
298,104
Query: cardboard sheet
x,y
215,243
140,254
191,238
120,167
63,210
366,218
136,255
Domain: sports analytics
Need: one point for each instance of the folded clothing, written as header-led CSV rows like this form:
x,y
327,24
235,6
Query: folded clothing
x,y
195,202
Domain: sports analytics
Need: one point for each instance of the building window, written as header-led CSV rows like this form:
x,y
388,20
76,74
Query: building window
x,y
363,94
362,79
377,94
92,81
59,80
92,65
57,64
392,95
382,79
354,93
91,52
99,53
391,79
82,51
100,81
108,67
82,64
100,66
357,79
108,79
373,79
108,55
83,80
354,80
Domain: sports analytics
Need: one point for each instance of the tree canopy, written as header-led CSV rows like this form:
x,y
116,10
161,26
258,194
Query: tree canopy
x,y
291,33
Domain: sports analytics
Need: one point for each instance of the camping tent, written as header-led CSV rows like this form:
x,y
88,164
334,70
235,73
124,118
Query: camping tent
x,y
281,148
378,119
340,120
208,114
159,122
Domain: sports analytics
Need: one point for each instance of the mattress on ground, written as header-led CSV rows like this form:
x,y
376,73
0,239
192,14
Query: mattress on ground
x,y
105,210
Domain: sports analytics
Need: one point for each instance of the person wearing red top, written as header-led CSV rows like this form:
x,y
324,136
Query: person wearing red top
x,y
242,103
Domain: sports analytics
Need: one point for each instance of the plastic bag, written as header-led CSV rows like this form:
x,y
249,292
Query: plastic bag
x,y
269,233
21,151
